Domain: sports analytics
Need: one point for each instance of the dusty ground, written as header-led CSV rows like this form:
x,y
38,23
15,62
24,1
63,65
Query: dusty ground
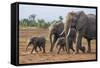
x,y
26,57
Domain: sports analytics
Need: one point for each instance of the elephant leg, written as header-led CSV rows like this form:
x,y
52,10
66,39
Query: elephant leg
x,y
78,45
59,49
53,43
40,48
66,45
69,45
63,48
57,46
43,48
32,49
68,49
73,49
72,46
36,48
89,46
79,42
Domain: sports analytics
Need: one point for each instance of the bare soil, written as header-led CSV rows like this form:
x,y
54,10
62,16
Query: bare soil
x,y
27,57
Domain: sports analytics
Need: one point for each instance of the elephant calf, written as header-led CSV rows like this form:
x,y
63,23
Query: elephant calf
x,y
71,36
37,42
61,43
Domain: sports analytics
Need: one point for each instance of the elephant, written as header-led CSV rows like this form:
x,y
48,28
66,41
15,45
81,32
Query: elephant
x,y
85,25
61,43
55,30
70,40
37,42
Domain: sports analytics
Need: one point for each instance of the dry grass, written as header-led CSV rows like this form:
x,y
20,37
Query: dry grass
x,y
26,57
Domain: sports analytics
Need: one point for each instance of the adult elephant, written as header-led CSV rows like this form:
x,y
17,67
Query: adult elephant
x,y
85,25
55,30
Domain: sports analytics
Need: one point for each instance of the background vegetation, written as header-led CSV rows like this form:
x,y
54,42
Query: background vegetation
x,y
31,21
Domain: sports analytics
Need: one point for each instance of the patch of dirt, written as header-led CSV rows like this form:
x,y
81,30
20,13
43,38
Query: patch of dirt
x,y
27,57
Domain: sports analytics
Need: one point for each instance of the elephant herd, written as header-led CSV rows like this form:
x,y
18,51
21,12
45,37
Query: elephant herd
x,y
63,34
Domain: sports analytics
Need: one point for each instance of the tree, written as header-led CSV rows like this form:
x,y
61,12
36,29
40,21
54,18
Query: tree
x,y
32,20
32,17
25,22
60,18
41,22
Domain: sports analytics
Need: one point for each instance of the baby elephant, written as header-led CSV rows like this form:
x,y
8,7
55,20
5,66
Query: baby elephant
x,y
71,36
61,43
37,42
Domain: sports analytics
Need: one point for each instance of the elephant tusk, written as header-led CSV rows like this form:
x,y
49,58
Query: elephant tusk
x,y
68,32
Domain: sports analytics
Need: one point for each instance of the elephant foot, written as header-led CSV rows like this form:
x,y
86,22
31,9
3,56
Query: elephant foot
x,y
31,53
88,51
73,52
51,51
57,52
40,49
76,52
36,51
68,52
44,52
83,49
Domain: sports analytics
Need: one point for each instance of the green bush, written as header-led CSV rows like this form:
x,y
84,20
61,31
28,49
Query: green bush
x,y
36,23
32,22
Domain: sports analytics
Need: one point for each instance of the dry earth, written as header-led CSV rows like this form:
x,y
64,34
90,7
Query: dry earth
x,y
26,57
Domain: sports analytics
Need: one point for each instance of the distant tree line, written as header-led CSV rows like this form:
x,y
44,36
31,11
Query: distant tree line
x,y
31,22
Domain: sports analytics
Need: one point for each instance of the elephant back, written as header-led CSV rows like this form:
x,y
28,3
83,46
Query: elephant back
x,y
56,27
60,27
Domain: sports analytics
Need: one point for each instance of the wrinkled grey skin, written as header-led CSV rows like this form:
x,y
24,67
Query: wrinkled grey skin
x,y
54,31
85,26
37,42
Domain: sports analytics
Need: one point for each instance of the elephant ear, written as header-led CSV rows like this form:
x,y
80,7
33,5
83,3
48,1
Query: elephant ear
x,y
81,20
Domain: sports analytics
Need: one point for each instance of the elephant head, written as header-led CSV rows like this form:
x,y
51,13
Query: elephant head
x,y
76,20
31,41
